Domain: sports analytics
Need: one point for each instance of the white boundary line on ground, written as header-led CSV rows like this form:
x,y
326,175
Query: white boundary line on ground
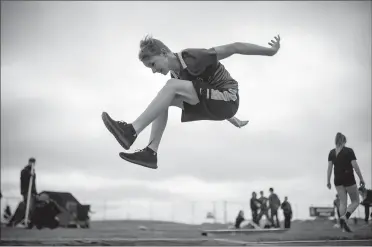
x,y
106,239
289,241
223,240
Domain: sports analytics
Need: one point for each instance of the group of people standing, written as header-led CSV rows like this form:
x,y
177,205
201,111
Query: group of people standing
x,y
269,208
262,206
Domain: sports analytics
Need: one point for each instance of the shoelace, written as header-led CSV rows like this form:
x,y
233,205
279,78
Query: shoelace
x,y
122,123
139,150
142,150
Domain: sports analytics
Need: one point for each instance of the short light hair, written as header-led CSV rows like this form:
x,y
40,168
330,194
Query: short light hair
x,y
151,47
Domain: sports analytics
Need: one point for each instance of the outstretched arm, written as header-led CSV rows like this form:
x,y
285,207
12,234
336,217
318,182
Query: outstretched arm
x,y
241,48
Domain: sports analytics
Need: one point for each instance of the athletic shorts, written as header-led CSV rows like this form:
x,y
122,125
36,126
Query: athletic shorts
x,y
215,104
345,180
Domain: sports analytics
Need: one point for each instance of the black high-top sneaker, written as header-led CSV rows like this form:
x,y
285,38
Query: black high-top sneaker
x,y
124,133
144,157
344,226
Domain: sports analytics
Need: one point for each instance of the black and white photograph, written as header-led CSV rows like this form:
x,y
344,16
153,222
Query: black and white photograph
x,y
188,123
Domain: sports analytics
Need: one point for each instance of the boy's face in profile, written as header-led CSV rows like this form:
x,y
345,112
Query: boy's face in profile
x,y
158,64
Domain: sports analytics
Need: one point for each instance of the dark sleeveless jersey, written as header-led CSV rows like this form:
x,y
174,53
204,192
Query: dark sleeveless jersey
x,y
203,65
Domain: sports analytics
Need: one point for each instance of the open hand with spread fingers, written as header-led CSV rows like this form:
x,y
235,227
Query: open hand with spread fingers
x,y
275,44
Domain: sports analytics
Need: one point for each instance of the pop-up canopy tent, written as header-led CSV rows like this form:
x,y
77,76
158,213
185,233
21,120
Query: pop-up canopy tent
x,y
71,212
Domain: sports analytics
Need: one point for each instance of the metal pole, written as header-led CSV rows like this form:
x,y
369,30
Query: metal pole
x,y
29,194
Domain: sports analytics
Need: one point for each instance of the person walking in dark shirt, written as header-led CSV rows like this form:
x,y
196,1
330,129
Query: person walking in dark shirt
x,y
344,161
287,211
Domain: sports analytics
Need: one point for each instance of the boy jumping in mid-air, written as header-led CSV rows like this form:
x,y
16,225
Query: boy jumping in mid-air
x,y
199,85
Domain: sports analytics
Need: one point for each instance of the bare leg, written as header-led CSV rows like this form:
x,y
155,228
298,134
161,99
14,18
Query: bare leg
x,y
159,124
157,130
341,191
163,100
354,197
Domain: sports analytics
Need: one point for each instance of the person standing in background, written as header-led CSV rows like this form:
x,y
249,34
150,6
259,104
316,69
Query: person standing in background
x,y
274,204
287,211
26,174
264,210
366,201
255,205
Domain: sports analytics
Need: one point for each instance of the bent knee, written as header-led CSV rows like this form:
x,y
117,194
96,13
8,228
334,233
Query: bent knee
x,y
179,86
182,88
177,101
172,84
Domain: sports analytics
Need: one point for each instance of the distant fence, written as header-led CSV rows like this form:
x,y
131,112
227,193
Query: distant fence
x,y
190,212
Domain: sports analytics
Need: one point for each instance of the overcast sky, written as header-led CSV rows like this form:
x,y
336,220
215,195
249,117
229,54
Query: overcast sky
x,y
63,63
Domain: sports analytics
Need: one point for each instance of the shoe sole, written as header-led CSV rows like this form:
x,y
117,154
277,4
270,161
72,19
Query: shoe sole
x,y
137,162
106,120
